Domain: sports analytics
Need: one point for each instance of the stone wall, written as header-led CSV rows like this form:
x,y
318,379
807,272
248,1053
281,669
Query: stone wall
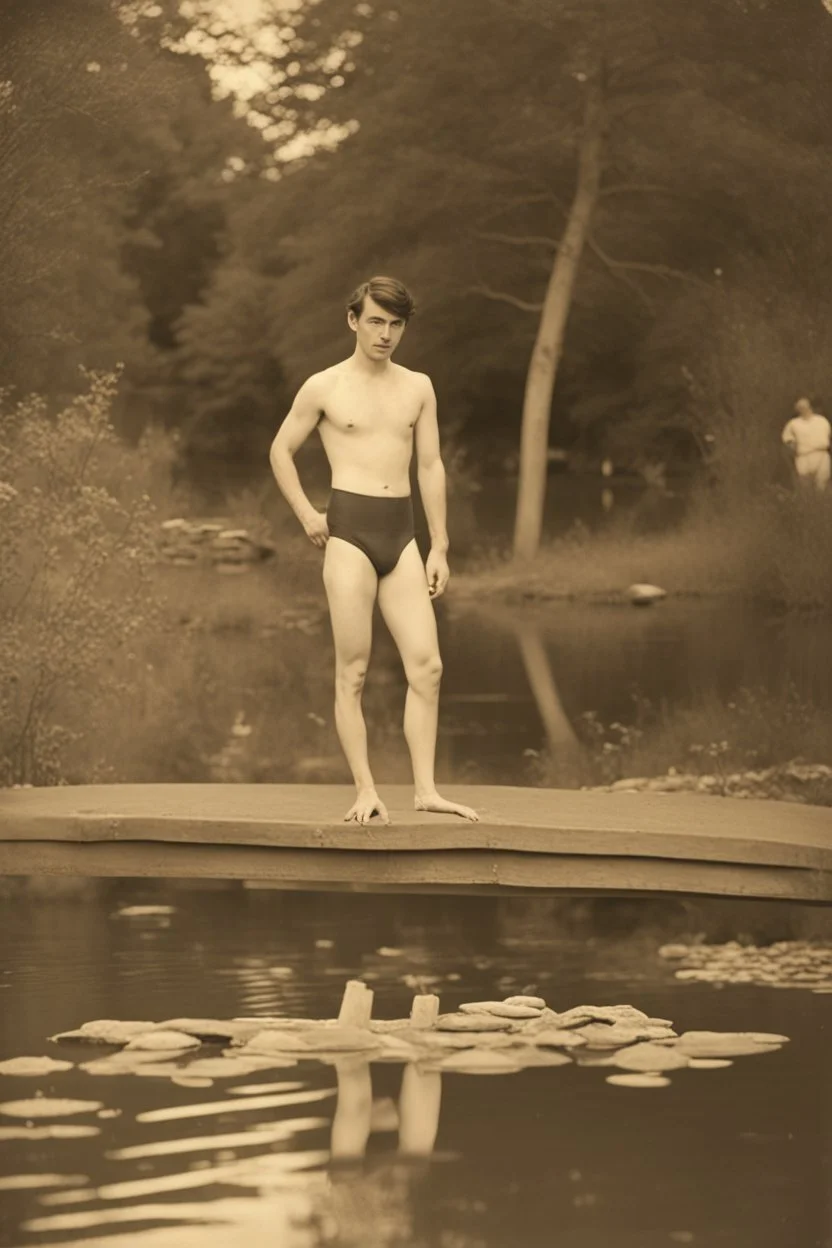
x,y
211,543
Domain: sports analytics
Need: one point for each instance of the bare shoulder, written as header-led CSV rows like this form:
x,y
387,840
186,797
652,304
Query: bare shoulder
x,y
419,384
318,385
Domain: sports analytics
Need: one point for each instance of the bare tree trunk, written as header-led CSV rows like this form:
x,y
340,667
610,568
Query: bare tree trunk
x,y
543,366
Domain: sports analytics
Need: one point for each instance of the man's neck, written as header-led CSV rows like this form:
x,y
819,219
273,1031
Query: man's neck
x,y
361,363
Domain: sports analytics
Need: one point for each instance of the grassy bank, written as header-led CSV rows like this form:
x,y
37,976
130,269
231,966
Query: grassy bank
x,y
775,548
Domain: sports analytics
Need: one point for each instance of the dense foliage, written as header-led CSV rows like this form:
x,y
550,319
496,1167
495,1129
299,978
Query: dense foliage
x,y
145,220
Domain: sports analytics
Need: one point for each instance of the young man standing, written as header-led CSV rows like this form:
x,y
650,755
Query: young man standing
x,y
369,412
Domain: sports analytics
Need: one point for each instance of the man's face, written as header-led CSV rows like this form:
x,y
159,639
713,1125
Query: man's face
x,y
803,408
377,330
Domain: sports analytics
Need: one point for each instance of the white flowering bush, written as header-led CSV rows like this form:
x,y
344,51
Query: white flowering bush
x,y
76,546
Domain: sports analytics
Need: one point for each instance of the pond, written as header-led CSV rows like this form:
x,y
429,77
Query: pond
x,y
564,695
737,1155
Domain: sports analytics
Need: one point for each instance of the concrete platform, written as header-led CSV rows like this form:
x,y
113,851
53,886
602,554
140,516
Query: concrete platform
x,y
527,839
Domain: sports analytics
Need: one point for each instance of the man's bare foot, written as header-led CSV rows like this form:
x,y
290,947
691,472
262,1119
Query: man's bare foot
x,y
441,806
367,804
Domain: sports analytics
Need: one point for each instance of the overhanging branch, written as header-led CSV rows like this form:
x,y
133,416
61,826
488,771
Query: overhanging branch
x,y
519,240
502,296
644,266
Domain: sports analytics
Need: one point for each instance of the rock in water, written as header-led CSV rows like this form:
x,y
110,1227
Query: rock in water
x,y
642,594
500,1009
556,1038
472,1022
106,1031
159,1041
606,1036
727,1044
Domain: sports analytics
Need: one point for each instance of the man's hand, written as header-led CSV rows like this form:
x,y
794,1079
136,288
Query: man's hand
x,y
437,572
316,528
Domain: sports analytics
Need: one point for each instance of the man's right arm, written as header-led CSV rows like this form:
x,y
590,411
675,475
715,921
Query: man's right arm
x,y
296,428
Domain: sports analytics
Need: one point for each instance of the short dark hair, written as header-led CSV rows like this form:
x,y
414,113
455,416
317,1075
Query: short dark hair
x,y
388,293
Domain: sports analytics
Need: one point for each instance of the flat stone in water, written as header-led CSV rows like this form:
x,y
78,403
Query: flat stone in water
x,y
638,1081
191,1081
556,1038
325,1040
708,1063
550,1018
472,1022
606,1036
48,1107
500,1009
34,1066
159,1041
602,1014
726,1044
536,1003
208,1028
106,1031
648,1058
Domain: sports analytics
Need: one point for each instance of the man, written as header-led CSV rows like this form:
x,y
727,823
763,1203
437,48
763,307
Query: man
x,y
807,435
369,412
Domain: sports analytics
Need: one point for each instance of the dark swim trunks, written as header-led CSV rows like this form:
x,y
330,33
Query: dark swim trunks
x,y
381,527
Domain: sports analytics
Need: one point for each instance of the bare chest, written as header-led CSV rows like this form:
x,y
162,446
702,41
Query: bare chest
x,y
363,413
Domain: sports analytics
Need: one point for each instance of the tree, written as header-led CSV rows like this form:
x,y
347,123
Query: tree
x,y
119,166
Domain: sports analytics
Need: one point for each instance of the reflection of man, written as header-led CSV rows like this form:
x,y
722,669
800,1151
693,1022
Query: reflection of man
x,y
807,435
369,413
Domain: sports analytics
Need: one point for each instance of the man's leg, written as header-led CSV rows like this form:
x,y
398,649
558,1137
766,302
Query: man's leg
x,y
408,612
350,582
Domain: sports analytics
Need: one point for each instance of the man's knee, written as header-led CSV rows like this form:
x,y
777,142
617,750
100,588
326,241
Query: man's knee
x,y
350,678
425,675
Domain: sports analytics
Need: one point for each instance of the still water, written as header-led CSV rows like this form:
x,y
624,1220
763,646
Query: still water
x,y
736,1157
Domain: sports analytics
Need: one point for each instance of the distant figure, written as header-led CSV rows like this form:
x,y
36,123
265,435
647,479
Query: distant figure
x,y
369,413
808,436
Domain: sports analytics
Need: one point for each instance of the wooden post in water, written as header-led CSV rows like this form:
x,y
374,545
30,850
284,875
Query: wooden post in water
x,y
425,1010
356,1005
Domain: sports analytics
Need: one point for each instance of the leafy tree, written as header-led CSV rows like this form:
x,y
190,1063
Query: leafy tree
x,y
119,169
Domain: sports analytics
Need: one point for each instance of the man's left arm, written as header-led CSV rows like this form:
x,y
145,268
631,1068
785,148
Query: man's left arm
x,y
430,473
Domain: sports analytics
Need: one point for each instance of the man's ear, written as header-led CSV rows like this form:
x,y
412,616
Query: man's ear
x,y
352,320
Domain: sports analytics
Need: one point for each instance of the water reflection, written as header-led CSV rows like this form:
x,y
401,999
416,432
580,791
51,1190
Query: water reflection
x,y
417,1117
561,739
741,1159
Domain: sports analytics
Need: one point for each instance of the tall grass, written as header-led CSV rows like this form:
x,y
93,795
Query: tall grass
x,y
775,548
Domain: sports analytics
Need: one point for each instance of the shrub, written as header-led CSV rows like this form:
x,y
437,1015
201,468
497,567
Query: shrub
x,y
77,546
